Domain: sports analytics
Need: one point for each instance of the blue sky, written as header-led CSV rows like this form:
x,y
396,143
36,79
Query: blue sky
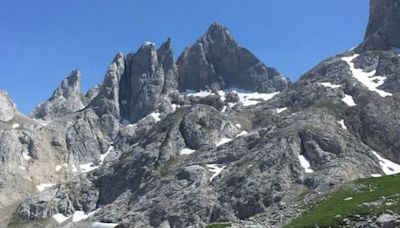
x,y
42,41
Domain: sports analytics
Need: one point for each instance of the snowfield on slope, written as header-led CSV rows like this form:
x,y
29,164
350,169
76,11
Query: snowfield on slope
x,y
368,79
246,97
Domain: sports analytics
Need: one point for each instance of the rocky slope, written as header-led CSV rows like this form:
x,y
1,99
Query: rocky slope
x,y
214,137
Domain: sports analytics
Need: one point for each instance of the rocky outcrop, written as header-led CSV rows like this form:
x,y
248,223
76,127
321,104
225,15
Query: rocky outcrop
x,y
383,28
66,99
7,107
217,61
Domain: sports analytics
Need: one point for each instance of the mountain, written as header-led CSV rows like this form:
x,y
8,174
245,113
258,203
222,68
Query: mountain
x,y
215,138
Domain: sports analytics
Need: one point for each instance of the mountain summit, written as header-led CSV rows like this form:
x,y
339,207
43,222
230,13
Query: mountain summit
x,y
215,138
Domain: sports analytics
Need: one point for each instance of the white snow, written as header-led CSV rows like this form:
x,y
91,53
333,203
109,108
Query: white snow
x,y
103,156
214,168
341,122
368,79
186,151
42,122
305,164
388,167
16,125
349,198
104,225
376,175
88,167
42,187
60,218
249,98
193,93
80,215
21,167
238,125
349,100
26,156
223,141
279,110
58,168
246,97
243,133
148,43
330,85
156,116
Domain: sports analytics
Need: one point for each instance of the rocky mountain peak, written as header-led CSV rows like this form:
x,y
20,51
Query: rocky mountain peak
x,y
70,86
217,61
219,33
7,107
65,99
383,30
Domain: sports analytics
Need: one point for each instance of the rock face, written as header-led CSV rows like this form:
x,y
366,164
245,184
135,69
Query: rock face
x,y
383,27
140,154
217,61
7,107
66,99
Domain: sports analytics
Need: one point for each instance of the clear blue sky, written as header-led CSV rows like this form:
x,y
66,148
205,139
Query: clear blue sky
x,y
41,41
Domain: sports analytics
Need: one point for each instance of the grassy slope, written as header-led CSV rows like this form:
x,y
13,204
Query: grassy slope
x,y
325,212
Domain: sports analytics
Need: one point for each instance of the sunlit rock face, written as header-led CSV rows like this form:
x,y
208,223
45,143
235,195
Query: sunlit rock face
x,y
7,109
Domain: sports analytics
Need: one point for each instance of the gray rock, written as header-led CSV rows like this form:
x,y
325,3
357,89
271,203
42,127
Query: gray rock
x,y
66,99
382,32
7,107
216,61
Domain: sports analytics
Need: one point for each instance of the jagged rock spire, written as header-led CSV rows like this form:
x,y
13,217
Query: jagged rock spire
x,y
217,61
141,84
166,58
66,99
7,107
383,30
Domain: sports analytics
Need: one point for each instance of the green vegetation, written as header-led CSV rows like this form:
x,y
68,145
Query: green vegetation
x,y
354,199
218,225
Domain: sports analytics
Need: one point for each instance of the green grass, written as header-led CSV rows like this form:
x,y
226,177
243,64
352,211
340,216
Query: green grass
x,y
218,225
324,213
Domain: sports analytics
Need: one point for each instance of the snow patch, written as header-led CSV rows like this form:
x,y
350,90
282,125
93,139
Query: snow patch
x,y
330,85
149,43
42,122
243,133
186,151
367,78
60,218
238,125
279,110
349,100
16,125
349,198
341,122
42,187
21,167
388,167
193,93
80,215
214,168
88,167
249,98
376,175
104,225
305,164
26,155
156,116
223,141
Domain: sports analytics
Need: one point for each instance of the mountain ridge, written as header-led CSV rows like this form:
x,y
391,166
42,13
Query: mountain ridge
x,y
214,136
